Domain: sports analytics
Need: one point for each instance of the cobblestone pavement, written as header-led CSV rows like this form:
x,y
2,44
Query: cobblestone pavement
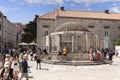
x,y
63,72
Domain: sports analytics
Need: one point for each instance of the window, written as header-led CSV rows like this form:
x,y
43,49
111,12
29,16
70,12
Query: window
x,y
0,26
106,30
106,27
45,30
45,26
90,26
45,33
106,33
0,38
119,27
0,48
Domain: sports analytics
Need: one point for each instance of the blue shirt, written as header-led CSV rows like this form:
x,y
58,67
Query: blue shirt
x,y
25,66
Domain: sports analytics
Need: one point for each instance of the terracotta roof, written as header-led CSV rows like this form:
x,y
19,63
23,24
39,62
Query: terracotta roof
x,y
47,16
82,14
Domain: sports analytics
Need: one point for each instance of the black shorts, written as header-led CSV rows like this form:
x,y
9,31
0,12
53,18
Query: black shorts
x,y
64,54
38,60
35,57
59,54
31,54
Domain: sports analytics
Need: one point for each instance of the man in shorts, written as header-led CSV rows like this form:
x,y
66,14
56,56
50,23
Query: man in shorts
x,y
38,60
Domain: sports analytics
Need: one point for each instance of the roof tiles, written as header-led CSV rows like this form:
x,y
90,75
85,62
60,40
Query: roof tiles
x,y
47,16
80,14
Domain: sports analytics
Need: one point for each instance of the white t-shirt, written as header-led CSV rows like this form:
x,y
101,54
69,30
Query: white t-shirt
x,y
14,66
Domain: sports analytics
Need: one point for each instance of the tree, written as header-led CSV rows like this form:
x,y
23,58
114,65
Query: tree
x,y
30,31
117,42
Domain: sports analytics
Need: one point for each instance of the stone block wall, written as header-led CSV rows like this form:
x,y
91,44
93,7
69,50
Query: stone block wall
x,y
98,28
41,38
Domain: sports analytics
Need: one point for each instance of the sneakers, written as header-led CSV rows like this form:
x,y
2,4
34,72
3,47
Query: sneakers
x,y
39,68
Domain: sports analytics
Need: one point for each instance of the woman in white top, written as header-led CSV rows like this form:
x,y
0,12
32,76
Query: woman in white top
x,y
15,66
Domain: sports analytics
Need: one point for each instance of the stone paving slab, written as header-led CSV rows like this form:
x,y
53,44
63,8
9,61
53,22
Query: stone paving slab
x,y
63,72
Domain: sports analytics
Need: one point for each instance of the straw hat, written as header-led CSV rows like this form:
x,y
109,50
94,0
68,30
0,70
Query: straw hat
x,y
7,64
7,55
25,56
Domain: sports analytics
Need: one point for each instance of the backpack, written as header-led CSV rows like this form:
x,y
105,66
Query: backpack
x,y
10,73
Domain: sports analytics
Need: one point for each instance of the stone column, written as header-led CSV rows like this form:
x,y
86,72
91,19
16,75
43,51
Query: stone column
x,y
94,44
49,44
59,40
73,43
97,42
43,38
86,42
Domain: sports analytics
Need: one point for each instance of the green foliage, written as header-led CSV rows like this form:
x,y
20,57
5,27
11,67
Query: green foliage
x,y
30,31
117,42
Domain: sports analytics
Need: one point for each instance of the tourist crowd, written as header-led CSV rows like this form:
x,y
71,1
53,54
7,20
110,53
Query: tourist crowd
x,y
15,65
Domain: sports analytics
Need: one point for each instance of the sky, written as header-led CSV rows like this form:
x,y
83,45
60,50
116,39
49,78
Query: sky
x,y
24,11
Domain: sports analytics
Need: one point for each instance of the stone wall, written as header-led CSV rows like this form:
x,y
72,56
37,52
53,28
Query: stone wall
x,y
98,28
8,33
41,38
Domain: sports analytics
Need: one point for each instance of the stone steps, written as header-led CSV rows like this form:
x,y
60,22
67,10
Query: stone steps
x,y
74,63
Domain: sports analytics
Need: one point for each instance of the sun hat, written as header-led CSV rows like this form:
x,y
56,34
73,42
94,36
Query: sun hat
x,y
7,55
6,65
25,55
7,62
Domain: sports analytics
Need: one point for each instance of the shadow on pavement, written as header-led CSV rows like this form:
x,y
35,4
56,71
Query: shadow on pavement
x,y
31,77
116,64
44,69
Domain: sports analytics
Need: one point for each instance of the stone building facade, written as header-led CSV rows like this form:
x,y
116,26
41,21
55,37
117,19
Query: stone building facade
x,y
8,33
20,31
105,25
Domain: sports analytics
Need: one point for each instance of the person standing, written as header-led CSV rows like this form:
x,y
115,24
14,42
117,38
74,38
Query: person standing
x,y
59,53
31,54
45,53
98,55
6,72
24,68
110,57
64,53
91,55
38,60
14,66
116,53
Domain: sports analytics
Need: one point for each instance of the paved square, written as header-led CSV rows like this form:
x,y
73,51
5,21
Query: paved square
x,y
62,72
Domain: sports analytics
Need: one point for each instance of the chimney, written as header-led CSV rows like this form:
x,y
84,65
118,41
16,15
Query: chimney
x,y
106,11
62,8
